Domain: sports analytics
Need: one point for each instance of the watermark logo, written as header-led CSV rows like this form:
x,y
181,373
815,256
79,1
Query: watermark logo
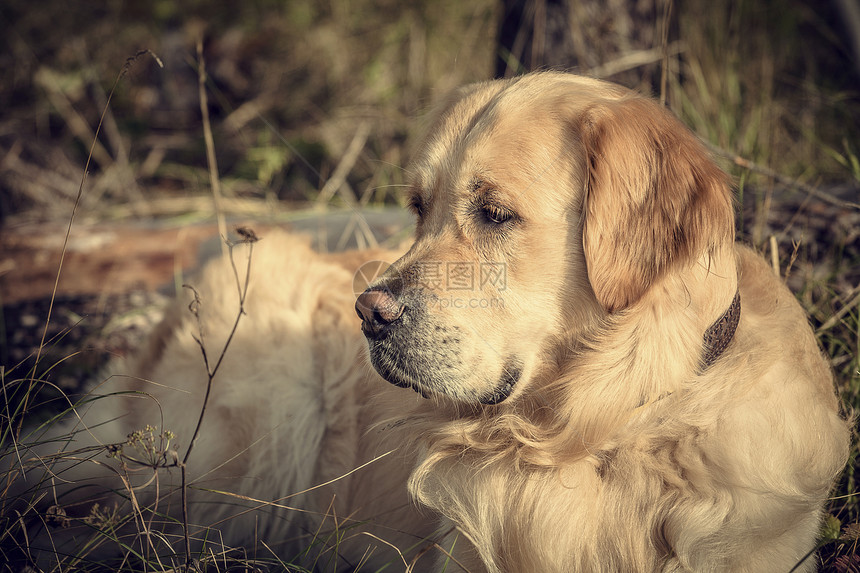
x,y
461,276
366,274
450,282
463,302
493,274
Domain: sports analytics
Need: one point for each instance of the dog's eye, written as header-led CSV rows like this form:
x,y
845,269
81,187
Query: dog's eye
x,y
416,205
495,215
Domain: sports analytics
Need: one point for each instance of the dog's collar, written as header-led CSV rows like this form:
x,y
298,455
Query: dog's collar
x,y
716,340
720,334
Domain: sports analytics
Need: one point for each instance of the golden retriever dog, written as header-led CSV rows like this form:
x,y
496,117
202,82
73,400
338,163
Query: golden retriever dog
x,y
649,396
603,380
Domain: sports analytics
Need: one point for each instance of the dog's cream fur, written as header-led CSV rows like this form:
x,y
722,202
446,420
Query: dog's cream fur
x,y
285,455
614,450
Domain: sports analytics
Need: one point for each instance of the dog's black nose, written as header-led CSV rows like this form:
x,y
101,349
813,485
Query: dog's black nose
x,y
377,308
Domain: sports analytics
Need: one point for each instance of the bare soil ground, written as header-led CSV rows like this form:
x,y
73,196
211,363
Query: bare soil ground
x,y
117,277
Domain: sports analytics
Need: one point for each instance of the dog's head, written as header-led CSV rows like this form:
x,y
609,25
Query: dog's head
x,y
544,204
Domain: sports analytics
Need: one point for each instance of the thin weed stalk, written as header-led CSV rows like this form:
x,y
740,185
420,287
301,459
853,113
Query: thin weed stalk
x,y
249,238
780,178
664,45
194,307
122,72
211,160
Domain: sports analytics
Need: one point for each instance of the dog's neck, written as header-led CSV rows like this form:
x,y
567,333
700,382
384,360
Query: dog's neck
x,y
655,341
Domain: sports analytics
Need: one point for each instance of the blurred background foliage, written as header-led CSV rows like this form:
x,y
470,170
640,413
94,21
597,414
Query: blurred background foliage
x,y
292,83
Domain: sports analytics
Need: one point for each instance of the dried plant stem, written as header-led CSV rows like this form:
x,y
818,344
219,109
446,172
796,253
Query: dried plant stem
x,y
774,255
780,178
211,371
846,308
211,160
227,249
337,182
664,45
635,59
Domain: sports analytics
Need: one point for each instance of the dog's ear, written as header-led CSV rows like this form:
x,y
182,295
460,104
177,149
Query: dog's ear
x,y
654,198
